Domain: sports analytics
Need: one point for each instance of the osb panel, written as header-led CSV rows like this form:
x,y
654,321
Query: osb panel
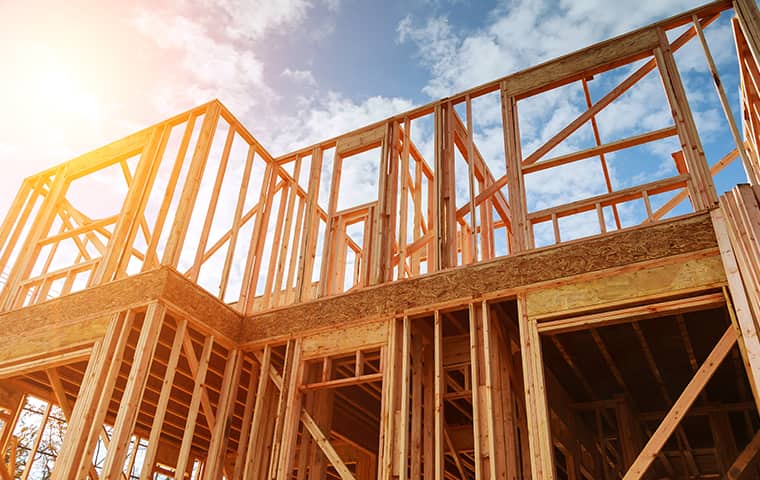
x,y
98,301
54,338
345,339
627,287
657,241
209,313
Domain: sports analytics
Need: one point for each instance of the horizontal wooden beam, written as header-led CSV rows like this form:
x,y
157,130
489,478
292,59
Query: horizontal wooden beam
x,y
78,319
655,283
501,276
632,314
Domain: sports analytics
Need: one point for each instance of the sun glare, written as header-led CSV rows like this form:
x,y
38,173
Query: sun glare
x,y
55,86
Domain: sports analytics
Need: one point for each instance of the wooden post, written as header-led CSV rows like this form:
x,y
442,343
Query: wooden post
x,y
90,407
704,195
254,456
224,411
384,234
41,226
537,411
195,403
163,401
308,248
520,235
439,391
192,184
129,405
445,224
738,304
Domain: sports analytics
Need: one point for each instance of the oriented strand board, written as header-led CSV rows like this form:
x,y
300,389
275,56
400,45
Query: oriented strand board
x,y
628,287
79,318
345,339
658,241
48,340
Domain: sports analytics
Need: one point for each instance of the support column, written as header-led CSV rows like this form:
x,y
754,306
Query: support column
x,y
537,411
445,222
521,236
384,246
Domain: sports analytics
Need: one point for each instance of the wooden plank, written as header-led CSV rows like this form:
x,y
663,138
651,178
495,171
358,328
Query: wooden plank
x,y
166,388
192,415
631,314
681,405
698,273
745,459
326,447
739,307
217,453
129,404
345,339
190,191
536,409
439,390
604,56
254,459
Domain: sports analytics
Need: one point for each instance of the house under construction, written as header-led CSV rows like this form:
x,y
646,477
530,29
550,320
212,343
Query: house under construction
x,y
222,313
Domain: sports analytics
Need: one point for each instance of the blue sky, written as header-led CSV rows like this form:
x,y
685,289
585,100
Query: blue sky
x,y
296,71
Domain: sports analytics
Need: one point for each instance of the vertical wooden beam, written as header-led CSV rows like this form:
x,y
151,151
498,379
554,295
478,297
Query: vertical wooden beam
x,y
520,239
404,206
471,179
192,184
224,411
129,406
307,251
258,238
285,242
439,391
390,404
119,251
417,351
384,243
481,406
704,195
537,411
163,401
254,456
200,250
292,379
402,434
245,432
236,223
444,193
151,255
738,304
192,414
94,395
328,249
40,227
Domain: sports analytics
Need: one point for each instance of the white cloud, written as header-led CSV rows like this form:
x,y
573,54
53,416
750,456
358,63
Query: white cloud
x,y
301,76
329,115
521,34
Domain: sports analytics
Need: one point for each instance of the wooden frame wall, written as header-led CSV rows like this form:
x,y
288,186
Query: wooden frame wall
x,y
177,172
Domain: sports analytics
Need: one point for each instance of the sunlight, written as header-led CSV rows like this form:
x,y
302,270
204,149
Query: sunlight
x,y
49,81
